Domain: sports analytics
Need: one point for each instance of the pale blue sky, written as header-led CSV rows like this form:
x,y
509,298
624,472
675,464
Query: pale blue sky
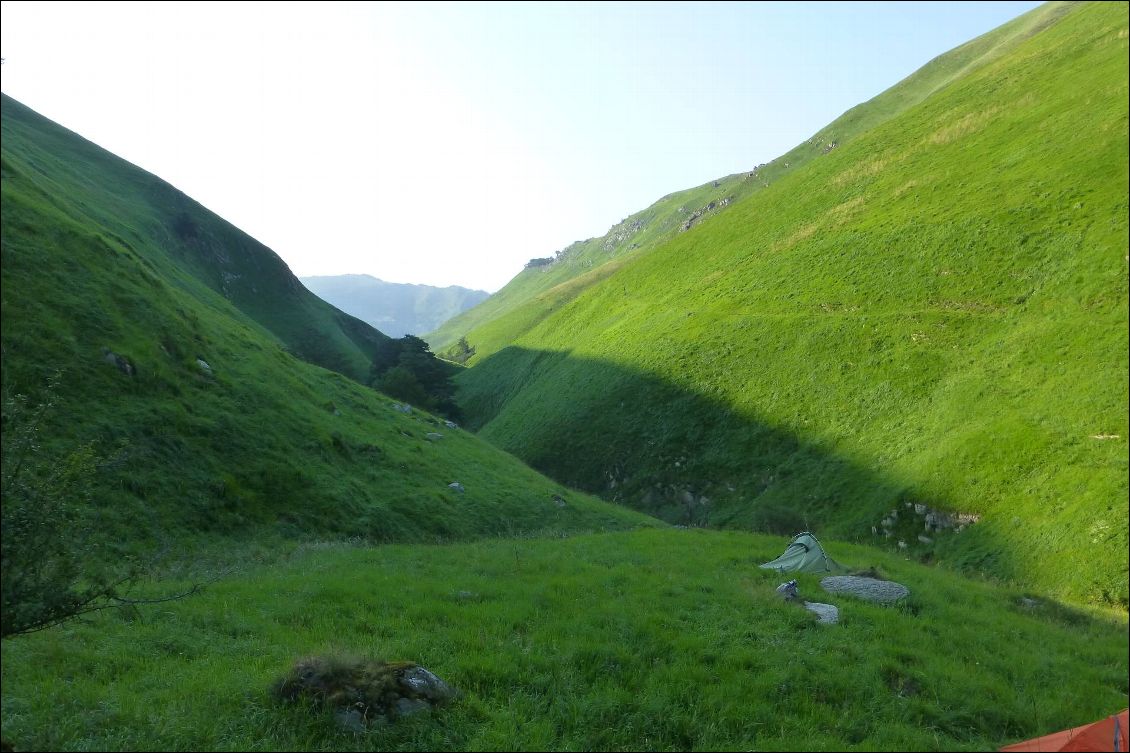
x,y
449,143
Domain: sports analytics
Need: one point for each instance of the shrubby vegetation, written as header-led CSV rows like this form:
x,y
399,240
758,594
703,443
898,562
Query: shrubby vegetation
x,y
407,370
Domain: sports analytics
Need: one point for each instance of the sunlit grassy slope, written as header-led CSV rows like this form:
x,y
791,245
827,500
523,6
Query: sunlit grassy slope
x,y
102,262
934,311
652,640
540,289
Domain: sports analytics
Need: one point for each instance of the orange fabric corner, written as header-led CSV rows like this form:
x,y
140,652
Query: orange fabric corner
x,y
1097,736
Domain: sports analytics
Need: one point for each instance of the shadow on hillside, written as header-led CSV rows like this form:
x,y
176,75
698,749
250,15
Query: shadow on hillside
x,y
638,440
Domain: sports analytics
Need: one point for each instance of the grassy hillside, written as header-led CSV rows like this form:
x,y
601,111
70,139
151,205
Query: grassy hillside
x,y
932,312
55,171
177,348
393,308
653,640
541,288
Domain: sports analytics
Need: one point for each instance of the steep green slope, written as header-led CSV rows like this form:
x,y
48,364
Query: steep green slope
x,y
544,286
207,426
933,313
186,244
395,309
653,640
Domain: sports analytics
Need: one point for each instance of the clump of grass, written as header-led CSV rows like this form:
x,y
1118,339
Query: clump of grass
x,y
371,686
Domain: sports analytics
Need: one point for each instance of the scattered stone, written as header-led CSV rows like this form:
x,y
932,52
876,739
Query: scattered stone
x,y
874,530
121,362
869,589
350,720
433,436
402,408
559,500
827,613
409,706
204,366
902,544
451,424
361,692
1028,603
465,595
919,509
458,487
420,683
925,539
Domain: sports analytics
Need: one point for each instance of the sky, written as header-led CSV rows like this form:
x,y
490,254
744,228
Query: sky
x,y
447,144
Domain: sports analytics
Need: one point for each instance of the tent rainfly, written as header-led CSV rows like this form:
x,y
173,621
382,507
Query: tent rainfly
x,y
1105,734
804,554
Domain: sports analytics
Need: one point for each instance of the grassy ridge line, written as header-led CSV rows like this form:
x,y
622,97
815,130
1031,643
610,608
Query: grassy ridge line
x,y
934,312
185,243
650,640
508,313
258,445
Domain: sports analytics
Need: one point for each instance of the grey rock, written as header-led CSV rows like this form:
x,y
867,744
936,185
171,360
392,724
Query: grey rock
x,y
433,436
559,500
409,706
350,719
869,589
827,613
204,366
456,486
402,408
420,683
121,362
451,424
925,539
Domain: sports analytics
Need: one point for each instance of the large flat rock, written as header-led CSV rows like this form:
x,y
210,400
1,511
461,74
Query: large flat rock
x,y
869,589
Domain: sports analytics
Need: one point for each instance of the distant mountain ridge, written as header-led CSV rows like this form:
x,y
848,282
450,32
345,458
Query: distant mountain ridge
x,y
396,309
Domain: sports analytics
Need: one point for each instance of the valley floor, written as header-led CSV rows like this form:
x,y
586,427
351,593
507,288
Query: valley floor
x,y
644,640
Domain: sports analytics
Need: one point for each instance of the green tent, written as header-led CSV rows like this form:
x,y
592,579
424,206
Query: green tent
x,y
804,554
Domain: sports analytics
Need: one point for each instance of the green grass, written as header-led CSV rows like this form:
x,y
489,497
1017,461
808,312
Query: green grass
x,y
264,446
657,640
933,311
52,174
524,300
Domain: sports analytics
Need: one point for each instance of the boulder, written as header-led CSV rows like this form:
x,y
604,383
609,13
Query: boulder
x,y
121,362
868,589
419,683
827,613
433,436
458,487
